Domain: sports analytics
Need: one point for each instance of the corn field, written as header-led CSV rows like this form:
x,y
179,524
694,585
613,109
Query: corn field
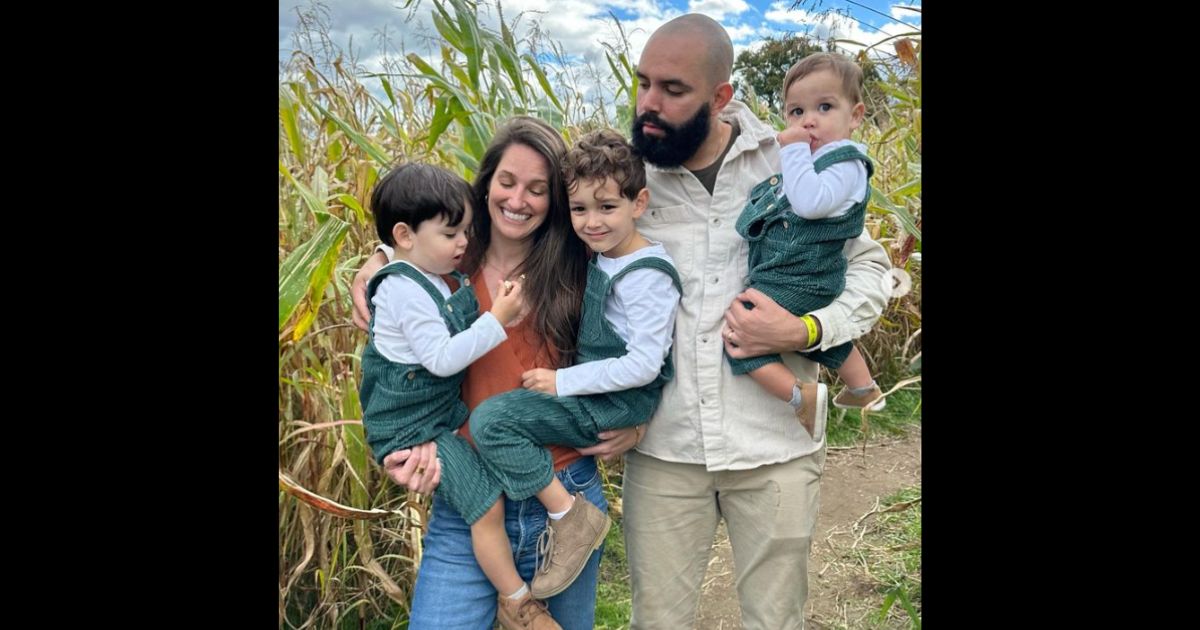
x,y
354,561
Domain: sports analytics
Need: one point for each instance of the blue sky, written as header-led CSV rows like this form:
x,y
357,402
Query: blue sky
x,y
582,25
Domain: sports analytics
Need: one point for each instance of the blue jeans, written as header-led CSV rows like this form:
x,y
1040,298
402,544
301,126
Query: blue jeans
x,y
452,592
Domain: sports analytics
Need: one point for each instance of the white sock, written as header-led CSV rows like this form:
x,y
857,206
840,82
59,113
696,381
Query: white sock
x,y
554,516
796,400
520,592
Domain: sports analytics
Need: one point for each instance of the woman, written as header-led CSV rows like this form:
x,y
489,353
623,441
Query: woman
x,y
526,229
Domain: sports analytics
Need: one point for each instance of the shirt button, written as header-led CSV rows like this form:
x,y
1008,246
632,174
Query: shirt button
x,y
774,180
716,222
702,402
704,339
450,307
785,225
716,279
411,376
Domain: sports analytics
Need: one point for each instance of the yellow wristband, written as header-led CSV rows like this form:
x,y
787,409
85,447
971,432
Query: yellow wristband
x,y
810,323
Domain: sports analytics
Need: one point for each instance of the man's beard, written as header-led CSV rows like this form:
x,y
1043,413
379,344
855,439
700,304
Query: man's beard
x,y
678,144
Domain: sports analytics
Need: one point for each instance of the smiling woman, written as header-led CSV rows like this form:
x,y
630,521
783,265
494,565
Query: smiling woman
x,y
518,197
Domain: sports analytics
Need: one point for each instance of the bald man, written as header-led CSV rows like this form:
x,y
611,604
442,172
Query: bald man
x,y
719,446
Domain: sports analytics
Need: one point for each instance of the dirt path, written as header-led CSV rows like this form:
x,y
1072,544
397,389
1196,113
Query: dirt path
x,y
849,488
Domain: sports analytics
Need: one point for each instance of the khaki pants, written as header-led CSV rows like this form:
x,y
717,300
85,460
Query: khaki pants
x,y
671,513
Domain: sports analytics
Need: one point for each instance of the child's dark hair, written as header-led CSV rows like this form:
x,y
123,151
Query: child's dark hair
x,y
601,154
412,193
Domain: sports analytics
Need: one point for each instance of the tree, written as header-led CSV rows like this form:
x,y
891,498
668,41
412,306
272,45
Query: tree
x,y
764,69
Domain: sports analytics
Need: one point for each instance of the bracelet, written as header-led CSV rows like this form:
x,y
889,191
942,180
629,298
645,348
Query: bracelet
x,y
810,323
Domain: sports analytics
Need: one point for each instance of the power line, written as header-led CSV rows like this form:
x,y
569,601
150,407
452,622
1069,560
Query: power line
x,y
838,12
883,14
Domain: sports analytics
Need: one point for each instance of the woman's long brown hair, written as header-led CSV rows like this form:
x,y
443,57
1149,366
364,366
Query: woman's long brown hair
x,y
556,267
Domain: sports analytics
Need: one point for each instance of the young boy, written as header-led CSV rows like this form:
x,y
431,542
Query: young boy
x,y
422,338
797,224
623,360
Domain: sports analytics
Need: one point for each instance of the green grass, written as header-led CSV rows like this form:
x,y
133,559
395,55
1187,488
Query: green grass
x,y
903,412
888,560
613,600
892,552
901,533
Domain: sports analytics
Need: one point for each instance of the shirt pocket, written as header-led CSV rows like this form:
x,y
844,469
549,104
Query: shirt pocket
x,y
676,227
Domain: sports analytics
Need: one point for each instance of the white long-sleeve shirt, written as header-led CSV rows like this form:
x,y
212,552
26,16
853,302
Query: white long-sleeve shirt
x,y
409,328
830,193
641,308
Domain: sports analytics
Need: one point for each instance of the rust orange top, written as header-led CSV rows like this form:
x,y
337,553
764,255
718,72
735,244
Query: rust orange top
x,y
500,370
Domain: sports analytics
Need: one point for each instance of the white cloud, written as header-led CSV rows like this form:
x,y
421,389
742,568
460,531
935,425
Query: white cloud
x,y
782,12
579,27
639,7
756,40
718,9
907,16
741,31
360,26
833,26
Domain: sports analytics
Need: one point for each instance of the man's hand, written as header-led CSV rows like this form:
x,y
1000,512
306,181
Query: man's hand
x,y
614,443
768,328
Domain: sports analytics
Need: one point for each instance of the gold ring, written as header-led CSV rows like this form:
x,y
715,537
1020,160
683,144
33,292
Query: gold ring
x,y
421,470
